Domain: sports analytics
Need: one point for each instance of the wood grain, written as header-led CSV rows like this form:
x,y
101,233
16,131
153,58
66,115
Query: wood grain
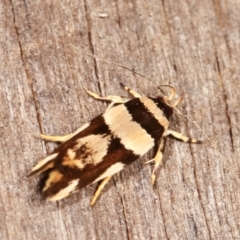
x,y
192,45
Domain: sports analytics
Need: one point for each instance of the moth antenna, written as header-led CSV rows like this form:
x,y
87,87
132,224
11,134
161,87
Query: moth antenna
x,y
177,102
118,65
198,127
173,90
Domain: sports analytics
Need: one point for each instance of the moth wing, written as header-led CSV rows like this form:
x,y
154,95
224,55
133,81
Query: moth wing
x,y
77,162
48,162
104,147
62,168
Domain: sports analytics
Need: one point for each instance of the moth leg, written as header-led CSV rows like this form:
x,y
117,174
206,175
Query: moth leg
x,y
110,98
181,137
56,138
132,92
158,158
100,188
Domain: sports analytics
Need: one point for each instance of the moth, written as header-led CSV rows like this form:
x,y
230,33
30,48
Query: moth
x,y
127,130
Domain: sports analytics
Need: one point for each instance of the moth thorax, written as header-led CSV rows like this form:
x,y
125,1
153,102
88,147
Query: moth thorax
x,y
164,106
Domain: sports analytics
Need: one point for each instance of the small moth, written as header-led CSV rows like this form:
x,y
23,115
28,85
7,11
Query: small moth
x,y
127,130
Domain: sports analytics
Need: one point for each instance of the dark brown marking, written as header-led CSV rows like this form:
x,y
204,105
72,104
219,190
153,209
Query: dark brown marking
x,y
145,118
83,152
167,110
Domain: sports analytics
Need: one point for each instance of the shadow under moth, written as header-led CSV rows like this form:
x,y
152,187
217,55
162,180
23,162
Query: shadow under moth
x,y
127,130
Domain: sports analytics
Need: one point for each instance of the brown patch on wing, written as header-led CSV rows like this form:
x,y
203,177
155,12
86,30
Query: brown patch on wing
x,y
117,153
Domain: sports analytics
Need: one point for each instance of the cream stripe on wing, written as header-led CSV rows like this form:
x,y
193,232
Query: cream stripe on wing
x,y
156,112
65,191
115,168
44,162
130,133
81,129
92,148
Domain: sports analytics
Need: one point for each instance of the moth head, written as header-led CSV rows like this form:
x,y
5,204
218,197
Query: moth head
x,y
169,100
167,103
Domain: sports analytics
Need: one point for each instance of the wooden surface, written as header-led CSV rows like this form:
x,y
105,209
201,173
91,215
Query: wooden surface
x,y
192,45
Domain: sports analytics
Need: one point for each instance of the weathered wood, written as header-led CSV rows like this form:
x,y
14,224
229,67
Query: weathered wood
x,y
193,46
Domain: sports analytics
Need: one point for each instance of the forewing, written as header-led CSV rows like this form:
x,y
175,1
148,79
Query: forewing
x,y
89,156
